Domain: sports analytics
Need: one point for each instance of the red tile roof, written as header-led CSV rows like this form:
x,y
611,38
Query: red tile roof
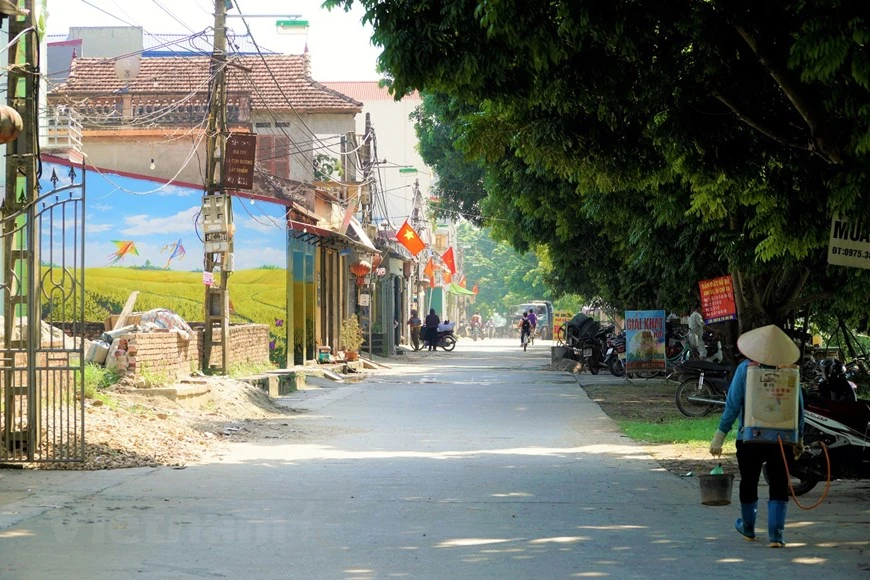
x,y
367,91
271,83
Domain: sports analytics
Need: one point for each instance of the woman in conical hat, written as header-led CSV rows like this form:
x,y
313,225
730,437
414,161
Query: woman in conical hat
x,y
767,346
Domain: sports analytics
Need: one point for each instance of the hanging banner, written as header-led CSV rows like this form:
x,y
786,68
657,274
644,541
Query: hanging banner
x,y
717,299
849,244
645,340
239,161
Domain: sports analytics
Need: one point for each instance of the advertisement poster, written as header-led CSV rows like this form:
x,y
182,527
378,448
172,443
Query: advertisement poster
x,y
717,299
645,340
849,244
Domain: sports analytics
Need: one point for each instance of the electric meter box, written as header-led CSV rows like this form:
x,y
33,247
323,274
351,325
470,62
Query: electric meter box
x,y
772,405
215,218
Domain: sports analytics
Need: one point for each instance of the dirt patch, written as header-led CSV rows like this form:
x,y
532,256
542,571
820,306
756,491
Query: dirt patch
x,y
653,401
130,429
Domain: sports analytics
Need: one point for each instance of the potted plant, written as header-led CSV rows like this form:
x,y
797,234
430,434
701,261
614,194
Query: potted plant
x,y
351,337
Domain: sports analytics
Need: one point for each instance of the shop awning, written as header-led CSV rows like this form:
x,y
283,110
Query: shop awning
x,y
455,288
322,237
355,230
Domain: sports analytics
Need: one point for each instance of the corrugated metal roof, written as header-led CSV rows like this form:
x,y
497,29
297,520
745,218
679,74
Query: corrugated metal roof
x,y
92,78
367,91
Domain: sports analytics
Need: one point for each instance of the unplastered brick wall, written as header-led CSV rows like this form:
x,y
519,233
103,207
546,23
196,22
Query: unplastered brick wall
x,y
166,357
249,345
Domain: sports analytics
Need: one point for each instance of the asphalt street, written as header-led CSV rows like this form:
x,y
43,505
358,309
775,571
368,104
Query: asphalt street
x,y
470,464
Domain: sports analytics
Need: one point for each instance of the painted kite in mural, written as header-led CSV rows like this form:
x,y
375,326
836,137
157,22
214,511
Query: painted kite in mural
x,y
124,247
176,250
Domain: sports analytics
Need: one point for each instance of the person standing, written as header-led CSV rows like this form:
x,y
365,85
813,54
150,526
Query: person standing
x,y
696,332
415,324
431,336
768,347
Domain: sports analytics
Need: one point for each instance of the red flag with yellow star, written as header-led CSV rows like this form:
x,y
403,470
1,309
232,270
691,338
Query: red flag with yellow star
x,y
475,289
449,261
409,238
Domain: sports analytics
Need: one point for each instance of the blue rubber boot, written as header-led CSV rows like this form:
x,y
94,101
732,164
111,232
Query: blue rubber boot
x,y
746,525
776,523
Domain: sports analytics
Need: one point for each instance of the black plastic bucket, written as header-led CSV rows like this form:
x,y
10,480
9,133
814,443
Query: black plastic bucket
x,y
716,489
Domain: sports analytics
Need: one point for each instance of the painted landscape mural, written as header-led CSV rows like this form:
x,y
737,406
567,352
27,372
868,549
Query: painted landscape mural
x,y
142,234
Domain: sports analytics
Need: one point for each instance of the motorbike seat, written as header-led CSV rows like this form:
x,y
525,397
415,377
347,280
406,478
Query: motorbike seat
x,y
708,367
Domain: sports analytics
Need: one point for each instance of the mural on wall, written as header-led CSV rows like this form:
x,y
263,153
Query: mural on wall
x,y
149,232
150,214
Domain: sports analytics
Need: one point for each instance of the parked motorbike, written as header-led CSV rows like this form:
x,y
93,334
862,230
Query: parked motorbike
x,y
615,355
844,429
446,340
703,386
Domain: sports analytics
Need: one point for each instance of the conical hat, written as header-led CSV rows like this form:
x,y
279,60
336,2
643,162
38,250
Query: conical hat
x,y
768,345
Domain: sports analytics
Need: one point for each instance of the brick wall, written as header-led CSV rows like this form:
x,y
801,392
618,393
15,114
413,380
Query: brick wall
x,y
168,357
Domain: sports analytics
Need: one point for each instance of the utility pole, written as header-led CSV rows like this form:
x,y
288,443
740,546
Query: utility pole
x,y
217,207
366,206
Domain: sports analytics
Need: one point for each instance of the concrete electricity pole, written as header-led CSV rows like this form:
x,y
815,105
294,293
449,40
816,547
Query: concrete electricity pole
x,y
217,207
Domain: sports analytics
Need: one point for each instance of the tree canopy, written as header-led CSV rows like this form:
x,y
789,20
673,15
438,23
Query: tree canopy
x,y
647,145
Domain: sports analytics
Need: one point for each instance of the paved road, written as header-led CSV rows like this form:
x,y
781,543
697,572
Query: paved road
x,y
471,464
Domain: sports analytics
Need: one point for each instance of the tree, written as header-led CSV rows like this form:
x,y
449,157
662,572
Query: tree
x,y
727,132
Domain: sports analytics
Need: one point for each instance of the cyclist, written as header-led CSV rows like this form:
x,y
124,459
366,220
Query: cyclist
x,y
525,327
533,320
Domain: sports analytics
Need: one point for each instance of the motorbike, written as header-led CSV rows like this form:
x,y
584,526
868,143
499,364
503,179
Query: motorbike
x,y
476,332
615,355
592,349
703,386
844,429
446,340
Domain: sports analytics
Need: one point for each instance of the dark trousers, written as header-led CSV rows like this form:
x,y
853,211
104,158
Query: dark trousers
x,y
750,458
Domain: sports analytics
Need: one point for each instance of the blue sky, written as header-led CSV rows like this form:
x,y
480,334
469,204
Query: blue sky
x,y
154,215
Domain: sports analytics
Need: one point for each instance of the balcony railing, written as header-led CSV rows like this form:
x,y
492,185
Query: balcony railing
x,y
61,128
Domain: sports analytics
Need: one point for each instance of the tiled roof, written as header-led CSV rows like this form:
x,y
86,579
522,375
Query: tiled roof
x,y
367,91
95,77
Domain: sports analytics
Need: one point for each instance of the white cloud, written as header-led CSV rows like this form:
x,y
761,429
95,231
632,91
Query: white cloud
x,y
97,228
262,256
101,206
143,224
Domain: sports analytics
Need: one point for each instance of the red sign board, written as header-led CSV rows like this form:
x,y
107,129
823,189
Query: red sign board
x,y
239,161
717,299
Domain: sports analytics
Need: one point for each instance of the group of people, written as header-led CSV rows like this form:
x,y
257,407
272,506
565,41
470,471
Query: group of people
x,y
427,330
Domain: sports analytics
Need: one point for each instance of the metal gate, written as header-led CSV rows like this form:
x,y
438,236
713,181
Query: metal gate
x,y
42,354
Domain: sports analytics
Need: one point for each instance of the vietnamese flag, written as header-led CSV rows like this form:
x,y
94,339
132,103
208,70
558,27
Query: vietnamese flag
x,y
429,270
409,238
449,260
447,276
462,282
475,289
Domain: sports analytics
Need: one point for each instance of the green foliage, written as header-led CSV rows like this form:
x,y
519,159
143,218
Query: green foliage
x,y
98,377
649,146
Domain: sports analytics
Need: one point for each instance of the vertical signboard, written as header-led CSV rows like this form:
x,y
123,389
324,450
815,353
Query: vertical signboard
x,y
239,162
645,340
717,299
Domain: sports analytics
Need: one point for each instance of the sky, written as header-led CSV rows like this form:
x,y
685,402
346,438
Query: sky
x,y
156,217
337,41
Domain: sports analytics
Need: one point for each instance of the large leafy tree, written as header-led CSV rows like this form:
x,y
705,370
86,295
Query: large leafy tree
x,y
728,131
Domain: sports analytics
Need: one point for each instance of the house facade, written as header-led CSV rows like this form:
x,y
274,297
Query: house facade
x,y
147,116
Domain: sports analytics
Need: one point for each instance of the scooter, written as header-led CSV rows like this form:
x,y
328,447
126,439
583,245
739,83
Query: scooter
x,y
835,431
615,355
703,386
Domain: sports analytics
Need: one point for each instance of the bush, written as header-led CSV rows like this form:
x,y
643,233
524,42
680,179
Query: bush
x,y
98,377
351,334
